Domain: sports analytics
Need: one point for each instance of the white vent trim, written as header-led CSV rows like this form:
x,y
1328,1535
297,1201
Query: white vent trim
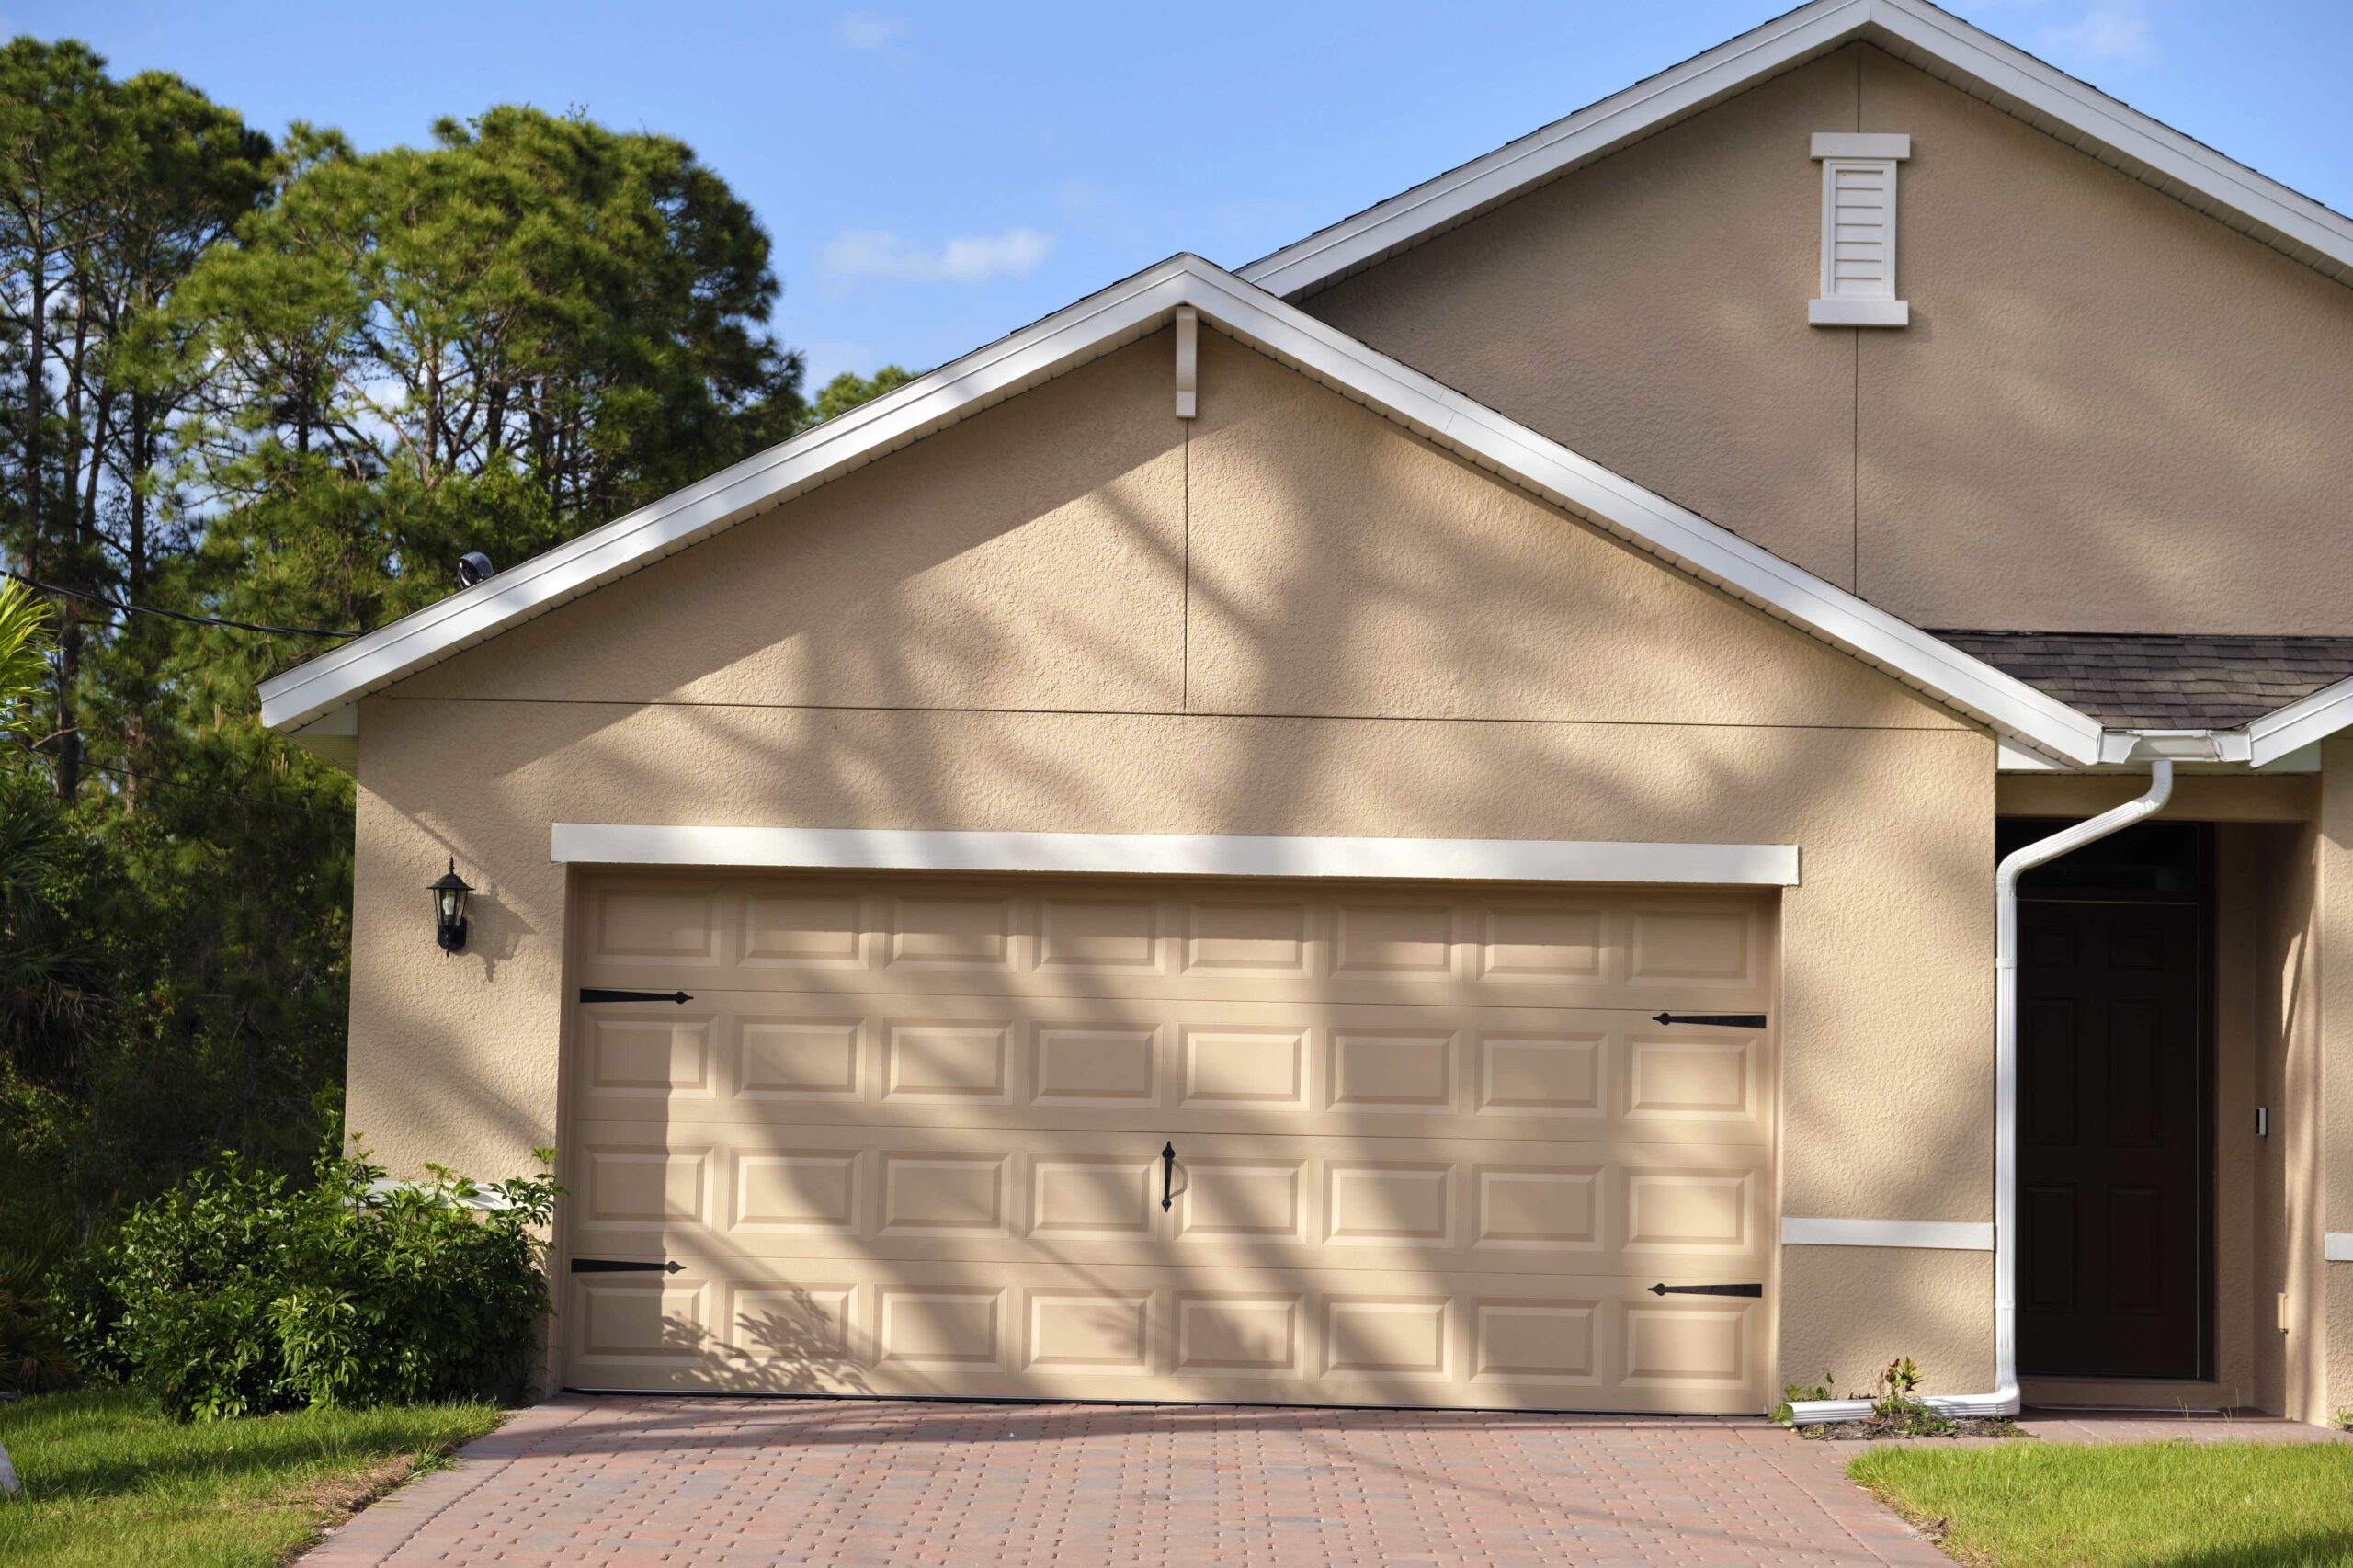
x,y
1859,230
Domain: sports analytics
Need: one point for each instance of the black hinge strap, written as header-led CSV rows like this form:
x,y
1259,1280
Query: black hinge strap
x,y
1721,1021
590,993
1708,1290
621,1266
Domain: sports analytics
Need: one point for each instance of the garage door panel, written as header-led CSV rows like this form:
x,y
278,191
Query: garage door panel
x,y
905,1138
1043,1331
997,1195
1174,1065
1138,940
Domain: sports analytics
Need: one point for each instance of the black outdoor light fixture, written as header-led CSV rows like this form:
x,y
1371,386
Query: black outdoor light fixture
x,y
449,891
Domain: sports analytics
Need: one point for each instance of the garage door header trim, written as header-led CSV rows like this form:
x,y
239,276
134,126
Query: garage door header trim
x,y
1177,854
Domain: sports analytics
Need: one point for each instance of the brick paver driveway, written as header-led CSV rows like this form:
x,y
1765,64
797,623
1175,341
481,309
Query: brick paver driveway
x,y
746,1480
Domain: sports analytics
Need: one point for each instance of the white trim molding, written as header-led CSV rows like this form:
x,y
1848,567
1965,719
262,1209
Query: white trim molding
x,y
2337,1247
1095,326
1915,31
1177,854
1943,1235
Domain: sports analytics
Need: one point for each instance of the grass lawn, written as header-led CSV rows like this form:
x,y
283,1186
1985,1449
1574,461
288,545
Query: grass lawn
x,y
108,1480
2151,1505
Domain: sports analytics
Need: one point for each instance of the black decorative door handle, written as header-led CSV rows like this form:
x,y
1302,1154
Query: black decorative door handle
x,y
1167,1176
590,993
1708,1290
623,1265
1721,1021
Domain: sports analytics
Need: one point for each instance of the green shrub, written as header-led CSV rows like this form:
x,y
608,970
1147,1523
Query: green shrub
x,y
238,1292
33,1358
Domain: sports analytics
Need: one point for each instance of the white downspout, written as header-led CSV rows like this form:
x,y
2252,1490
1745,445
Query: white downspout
x,y
2004,1398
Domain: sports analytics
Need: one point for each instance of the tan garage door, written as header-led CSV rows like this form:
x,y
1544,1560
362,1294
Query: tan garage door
x,y
907,1138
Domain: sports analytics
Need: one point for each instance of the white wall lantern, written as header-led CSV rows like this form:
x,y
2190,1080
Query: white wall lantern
x,y
1859,230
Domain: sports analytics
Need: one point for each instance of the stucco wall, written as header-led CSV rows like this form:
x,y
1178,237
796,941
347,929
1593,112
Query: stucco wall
x,y
2109,413
1365,637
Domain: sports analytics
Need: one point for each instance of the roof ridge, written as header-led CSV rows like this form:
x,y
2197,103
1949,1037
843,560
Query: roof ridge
x,y
1980,64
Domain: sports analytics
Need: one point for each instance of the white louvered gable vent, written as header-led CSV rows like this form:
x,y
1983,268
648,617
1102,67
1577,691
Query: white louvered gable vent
x,y
1859,230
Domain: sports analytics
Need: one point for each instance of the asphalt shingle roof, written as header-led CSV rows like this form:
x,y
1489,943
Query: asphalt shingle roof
x,y
2148,681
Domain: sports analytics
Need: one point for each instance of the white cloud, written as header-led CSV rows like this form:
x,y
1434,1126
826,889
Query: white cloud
x,y
2107,34
967,259
870,31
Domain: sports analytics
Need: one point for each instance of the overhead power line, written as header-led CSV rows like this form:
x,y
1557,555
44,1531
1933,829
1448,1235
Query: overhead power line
x,y
129,608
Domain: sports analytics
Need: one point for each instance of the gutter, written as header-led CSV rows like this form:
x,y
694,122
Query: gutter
x,y
2160,748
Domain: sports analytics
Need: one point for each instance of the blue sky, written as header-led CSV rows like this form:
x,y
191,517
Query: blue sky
x,y
937,175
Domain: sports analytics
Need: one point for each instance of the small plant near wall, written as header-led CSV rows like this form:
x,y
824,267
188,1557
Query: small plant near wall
x,y
1896,1407
1798,1394
2345,1418
238,1292
1897,1411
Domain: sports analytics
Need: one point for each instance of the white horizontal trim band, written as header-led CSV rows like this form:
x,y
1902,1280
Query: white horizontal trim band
x,y
2337,1247
1177,854
1945,1235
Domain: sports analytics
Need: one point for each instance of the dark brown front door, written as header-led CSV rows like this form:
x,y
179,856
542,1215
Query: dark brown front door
x,y
2112,1118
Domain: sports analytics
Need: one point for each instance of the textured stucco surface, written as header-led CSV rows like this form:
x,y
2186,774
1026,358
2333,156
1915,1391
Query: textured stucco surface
x,y
1030,557
1326,547
2109,413
1649,312
1341,566
1850,1310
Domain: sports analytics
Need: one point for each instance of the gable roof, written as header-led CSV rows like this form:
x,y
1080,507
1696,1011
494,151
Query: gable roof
x,y
1912,30
1096,325
2146,681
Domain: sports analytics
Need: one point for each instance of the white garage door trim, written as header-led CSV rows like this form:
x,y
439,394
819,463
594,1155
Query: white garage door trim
x,y
1175,855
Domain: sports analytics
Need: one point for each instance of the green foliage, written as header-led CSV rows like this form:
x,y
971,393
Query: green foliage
x,y
239,1291
1795,1394
32,1357
26,641
287,383
849,389
1896,1410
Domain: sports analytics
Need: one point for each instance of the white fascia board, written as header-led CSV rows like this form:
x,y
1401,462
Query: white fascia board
x,y
1092,327
1912,30
2303,723
1119,315
1946,1235
1174,855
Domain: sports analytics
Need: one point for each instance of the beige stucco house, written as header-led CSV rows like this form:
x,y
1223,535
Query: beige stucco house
x,y
1418,824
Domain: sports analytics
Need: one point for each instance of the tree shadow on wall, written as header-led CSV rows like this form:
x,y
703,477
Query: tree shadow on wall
x,y
795,1347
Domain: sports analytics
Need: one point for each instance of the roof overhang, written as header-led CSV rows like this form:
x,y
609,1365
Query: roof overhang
x,y
1122,314
1912,30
